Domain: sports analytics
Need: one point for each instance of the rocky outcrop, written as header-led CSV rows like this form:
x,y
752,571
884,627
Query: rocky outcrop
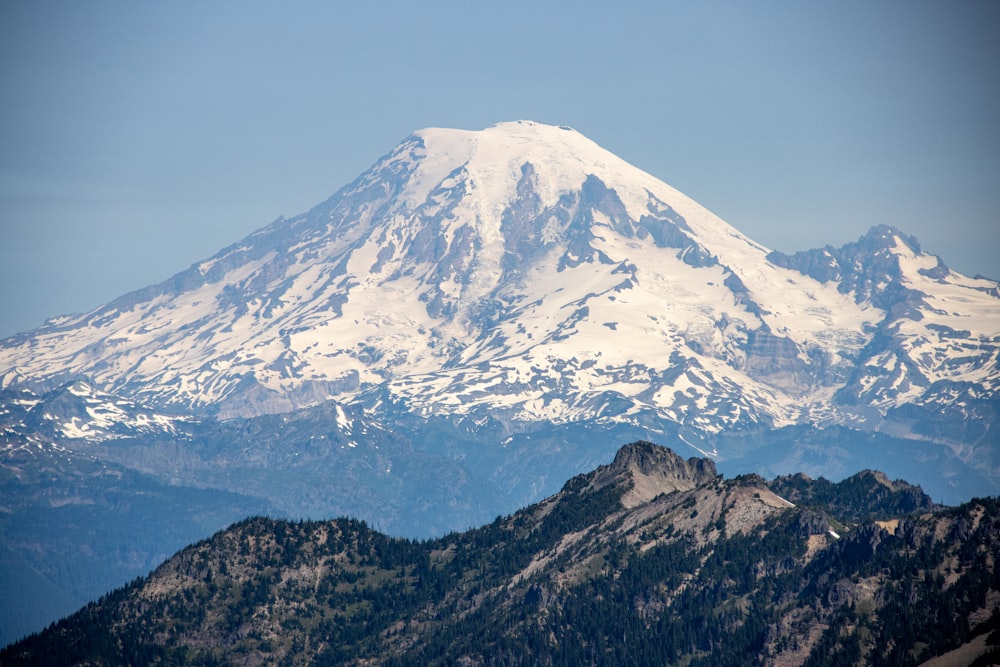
x,y
648,470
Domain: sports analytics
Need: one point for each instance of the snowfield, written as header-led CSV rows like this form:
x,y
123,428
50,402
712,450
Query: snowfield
x,y
524,270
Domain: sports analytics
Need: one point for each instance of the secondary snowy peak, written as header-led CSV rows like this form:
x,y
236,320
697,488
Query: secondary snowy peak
x,y
872,269
520,271
941,333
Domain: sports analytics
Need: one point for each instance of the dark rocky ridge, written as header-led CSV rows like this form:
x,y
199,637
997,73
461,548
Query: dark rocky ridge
x,y
712,572
646,470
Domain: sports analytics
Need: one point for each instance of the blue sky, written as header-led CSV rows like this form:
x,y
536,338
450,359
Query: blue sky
x,y
138,138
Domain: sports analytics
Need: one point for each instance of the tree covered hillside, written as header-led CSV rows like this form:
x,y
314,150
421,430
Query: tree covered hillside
x,y
649,560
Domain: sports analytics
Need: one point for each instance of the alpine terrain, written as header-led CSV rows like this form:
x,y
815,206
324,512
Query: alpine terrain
x,y
476,318
650,560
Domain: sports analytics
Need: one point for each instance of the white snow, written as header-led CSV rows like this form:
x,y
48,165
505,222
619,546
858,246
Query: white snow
x,y
342,421
784,500
196,347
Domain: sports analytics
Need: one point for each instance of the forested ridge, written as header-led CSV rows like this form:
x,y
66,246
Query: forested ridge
x,y
651,560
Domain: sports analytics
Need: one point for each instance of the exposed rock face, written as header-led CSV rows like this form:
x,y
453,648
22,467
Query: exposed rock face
x,y
868,269
648,470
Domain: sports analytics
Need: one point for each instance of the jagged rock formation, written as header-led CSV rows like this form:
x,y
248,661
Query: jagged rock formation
x,y
647,471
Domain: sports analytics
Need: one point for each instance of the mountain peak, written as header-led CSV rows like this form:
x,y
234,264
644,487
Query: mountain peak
x,y
519,270
489,164
525,129
651,470
884,237
879,267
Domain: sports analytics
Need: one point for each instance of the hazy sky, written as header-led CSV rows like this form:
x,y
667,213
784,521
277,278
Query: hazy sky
x,y
139,137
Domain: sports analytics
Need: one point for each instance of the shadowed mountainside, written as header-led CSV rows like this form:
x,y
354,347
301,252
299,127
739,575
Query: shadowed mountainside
x,y
650,559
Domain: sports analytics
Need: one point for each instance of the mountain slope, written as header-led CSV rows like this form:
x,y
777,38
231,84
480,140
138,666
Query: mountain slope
x,y
932,368
648,560
73,527
523,271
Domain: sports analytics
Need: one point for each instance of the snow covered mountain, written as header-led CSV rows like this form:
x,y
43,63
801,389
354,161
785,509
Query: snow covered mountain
x,y
475,319
525,273
78,411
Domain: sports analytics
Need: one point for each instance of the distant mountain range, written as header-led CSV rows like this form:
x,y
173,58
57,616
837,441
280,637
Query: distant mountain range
x,y
476,318
650,560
